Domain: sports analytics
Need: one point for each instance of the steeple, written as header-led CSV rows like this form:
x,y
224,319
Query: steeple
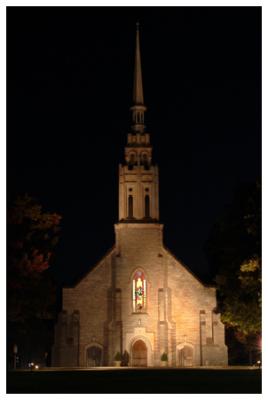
x,y
138,175
138,107
137,87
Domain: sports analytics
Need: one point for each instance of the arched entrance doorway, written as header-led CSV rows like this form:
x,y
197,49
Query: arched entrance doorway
x,y
139,354
94,356
185,356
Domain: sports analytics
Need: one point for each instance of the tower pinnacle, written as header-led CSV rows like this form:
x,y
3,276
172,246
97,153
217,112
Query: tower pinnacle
x,y
138,107
138,175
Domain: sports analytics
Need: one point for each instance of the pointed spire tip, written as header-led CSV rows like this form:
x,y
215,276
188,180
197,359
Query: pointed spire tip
x,y
138,108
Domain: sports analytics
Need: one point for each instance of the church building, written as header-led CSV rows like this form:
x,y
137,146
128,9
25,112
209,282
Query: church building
x,y
139,300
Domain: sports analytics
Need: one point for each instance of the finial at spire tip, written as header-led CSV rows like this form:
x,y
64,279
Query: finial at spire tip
x,y
137,25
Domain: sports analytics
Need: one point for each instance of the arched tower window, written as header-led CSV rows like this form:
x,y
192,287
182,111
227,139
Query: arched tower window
x,y
130,206
145,160
147,206
132,158
139,292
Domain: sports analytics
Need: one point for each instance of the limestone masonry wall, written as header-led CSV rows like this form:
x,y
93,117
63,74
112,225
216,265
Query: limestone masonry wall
x,y
179,318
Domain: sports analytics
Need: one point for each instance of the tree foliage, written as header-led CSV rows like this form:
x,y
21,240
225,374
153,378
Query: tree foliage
x,y
234,251
32,235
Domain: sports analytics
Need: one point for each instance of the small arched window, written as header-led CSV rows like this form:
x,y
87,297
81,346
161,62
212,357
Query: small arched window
x,y
130,206
147,206
139,292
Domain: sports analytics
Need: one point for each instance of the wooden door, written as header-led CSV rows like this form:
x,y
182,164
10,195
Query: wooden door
x,y
94,356
139,354
185,357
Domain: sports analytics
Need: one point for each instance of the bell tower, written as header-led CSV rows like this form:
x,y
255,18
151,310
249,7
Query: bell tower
x,y
138,176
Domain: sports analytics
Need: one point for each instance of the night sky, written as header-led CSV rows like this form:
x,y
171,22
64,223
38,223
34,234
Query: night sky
x,y
69,89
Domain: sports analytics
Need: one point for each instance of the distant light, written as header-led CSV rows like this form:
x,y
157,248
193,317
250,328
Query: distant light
x,y
37,367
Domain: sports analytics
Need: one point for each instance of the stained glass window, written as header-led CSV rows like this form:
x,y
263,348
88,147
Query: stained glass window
x,y
139,292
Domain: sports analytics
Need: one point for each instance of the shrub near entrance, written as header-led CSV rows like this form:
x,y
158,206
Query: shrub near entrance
x,y
117,359
164,359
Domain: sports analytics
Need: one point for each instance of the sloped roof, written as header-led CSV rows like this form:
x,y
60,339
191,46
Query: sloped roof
x,y
83,276
188,269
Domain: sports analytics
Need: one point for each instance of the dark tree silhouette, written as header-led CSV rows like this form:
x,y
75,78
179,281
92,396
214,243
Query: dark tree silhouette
x,y
32,235
234,253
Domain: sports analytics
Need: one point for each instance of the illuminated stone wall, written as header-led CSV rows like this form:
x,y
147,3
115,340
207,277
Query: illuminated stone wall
x,y
178,318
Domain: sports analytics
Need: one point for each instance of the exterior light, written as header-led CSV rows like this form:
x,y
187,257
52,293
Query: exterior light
x,y
36,367
31,365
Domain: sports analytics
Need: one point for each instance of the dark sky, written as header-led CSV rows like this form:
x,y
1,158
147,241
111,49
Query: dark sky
x,y
69,89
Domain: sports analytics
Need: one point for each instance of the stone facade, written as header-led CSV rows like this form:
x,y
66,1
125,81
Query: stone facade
x,y
179,317
139,299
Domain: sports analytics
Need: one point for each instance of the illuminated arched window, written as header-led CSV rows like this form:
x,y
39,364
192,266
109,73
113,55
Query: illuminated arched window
x,y
139,292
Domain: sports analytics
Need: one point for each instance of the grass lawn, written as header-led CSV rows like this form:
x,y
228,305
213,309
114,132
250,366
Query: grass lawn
x,y
130,380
